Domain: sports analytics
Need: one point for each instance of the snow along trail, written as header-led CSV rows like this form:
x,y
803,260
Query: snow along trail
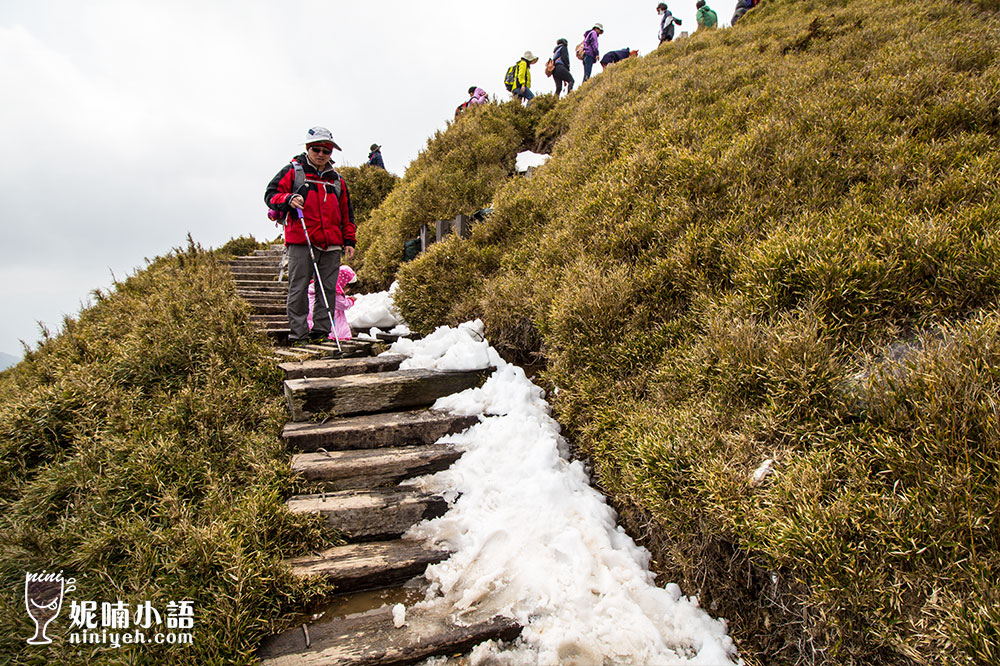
x,y
531,539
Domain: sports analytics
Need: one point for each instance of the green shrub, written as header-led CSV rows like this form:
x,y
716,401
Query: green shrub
x,y
139,454
775,241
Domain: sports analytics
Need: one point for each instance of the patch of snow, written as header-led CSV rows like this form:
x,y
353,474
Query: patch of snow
x,y
375,309
765,470
531,539
528,159
461,348
398,615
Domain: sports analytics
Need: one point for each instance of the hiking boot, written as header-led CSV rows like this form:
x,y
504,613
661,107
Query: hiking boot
x,y
300,342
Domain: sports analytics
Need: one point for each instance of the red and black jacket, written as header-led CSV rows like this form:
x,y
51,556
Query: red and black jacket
x,y
329,217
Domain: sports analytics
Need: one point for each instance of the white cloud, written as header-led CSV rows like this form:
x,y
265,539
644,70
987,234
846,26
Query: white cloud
x,y
127,124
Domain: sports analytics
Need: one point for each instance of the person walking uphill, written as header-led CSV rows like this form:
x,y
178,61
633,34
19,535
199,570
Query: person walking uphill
x,y
309,190
522,77
560,70
706,17
375,156
667,21
590,49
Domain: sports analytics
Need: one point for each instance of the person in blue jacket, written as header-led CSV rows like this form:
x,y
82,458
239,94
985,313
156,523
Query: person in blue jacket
x,y
375,156
611,57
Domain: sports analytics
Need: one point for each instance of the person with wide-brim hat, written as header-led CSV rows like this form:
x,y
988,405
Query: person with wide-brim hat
x,y
522,77
312,200
375,156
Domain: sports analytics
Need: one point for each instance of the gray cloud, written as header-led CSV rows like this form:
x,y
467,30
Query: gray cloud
x,y
127,125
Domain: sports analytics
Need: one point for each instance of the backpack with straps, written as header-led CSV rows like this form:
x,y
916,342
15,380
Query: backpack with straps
x,y
550,67
298,181
510,78
581,49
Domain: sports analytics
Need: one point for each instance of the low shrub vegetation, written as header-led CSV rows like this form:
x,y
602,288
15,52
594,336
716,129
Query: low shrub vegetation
x,y
776,242
139,454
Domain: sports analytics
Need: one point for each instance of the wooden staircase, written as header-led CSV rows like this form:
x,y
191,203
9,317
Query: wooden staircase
x,y
359,426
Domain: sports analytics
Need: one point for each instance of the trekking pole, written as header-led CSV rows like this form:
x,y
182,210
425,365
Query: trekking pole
x,y
319,281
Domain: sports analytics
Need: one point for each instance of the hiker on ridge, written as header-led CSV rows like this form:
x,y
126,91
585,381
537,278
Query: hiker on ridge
x,y
667,21
375,156
742,7
611,57
310,184
590,49
560,70
522,77
706,17
477,95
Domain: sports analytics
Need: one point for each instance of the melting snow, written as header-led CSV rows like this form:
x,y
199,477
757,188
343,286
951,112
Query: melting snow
x,y
533,540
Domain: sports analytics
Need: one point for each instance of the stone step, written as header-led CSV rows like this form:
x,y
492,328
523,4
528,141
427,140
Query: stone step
x,y
267,253
277,247
370,515
369,566
372,431
341,367
369,468
372,639
381,392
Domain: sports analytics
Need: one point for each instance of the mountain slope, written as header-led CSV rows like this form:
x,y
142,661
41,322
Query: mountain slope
x,y
775,242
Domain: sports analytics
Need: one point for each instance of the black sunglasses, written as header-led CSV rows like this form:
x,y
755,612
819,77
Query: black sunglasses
x,y
321,150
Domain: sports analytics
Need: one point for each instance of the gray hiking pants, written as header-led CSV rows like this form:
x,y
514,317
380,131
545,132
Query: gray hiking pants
x,y
300,271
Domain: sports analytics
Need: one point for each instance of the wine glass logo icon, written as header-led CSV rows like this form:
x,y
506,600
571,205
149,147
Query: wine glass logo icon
x,y
43,597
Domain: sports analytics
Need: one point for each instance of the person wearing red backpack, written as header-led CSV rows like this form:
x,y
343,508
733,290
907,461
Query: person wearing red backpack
x,y
312,200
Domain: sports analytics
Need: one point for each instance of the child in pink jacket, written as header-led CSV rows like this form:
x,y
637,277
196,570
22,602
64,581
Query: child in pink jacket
x,y
341,329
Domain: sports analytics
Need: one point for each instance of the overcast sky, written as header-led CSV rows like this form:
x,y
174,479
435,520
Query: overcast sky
x,y
127,124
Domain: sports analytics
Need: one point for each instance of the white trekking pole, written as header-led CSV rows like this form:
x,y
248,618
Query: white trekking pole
x,y
319,280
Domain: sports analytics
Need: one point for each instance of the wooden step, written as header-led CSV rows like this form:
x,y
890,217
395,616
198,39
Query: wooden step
x,y
268,307
255,261
369,468
341,367
369,566
384,391
371,431
260,285
267,253
373,640
366,515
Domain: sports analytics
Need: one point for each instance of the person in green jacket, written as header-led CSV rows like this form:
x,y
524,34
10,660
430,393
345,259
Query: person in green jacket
x,y
707,18
522,81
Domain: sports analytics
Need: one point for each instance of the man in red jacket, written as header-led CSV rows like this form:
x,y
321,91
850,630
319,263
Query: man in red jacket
x,y
309,183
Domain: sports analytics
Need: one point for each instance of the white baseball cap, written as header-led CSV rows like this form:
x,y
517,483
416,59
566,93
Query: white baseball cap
x,y
320,135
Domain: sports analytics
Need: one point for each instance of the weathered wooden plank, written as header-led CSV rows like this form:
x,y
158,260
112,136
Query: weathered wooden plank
x,y
341,367
369,566
385,391
267,253
381,513
260,285
373,640
369,468
268,307
370,431
291,353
